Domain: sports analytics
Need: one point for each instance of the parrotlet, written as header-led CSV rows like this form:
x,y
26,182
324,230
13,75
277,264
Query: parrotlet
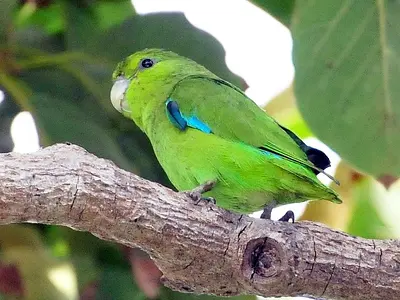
x,y
212,140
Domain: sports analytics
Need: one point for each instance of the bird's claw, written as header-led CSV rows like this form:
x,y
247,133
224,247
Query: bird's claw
x,y
209,199
197,197
196,193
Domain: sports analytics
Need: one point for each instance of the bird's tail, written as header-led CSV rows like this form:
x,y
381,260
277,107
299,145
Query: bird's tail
x,y
332,196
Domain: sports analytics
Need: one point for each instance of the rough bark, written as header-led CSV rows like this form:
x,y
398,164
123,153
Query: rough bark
x,y
199,248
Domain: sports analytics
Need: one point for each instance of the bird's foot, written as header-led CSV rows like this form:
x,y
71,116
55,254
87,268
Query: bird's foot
x,y
266,214
289,215
196,193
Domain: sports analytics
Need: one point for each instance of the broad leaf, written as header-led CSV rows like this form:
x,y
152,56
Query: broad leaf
x,y
346,57
50,18
6,13
86,22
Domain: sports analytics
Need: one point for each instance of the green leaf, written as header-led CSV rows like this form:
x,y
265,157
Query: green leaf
x,y
82,24
346,55
117,283
34,40
282,10
111,13
6,14
49,18
87,22
366,221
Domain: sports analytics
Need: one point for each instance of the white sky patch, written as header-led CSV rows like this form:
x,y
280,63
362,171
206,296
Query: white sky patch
x,y
24,134
63,277
2,96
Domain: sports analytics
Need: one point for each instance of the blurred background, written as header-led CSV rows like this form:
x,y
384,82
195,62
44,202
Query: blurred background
x,y
56,61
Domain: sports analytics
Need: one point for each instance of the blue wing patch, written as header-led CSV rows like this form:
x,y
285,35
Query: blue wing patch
x,y
194,122
175,116
180,121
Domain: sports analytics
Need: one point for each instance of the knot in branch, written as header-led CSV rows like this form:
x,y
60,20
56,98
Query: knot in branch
x,y
262,259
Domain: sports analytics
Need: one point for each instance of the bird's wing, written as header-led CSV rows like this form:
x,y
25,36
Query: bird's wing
x,y
214,106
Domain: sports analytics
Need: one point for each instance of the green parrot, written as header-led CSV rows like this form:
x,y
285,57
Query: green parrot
x,y
212,140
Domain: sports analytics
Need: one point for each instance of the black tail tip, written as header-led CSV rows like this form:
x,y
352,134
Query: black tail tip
x,y
318,158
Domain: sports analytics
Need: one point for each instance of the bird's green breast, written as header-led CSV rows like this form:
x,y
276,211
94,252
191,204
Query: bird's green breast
x,y
178,151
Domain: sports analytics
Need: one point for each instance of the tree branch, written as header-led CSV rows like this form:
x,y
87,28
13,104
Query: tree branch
x,y
199,248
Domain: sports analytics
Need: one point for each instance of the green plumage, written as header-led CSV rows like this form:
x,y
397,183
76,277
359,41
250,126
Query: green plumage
x,y
247,178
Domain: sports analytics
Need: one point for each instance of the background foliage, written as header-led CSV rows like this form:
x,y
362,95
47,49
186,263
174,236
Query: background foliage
x,y
56,59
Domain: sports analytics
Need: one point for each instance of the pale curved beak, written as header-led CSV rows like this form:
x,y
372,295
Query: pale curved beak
x,y
117,95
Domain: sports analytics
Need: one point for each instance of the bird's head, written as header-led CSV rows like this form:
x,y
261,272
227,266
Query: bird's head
x,y
145,79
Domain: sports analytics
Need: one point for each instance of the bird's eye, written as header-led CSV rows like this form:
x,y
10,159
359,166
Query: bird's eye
x,y
147,63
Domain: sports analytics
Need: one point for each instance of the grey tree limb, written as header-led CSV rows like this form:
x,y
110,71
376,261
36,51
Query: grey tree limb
x,y
199,248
